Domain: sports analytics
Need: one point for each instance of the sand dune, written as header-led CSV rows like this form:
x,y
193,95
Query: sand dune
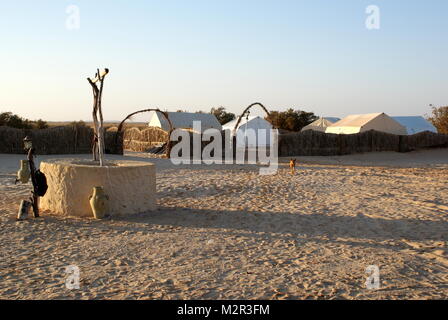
x,y
225,232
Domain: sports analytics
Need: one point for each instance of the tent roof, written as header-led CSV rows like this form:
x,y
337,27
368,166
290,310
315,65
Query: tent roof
x,y
184,120
356,120
415,124
332,119
363,122
321,123
231,124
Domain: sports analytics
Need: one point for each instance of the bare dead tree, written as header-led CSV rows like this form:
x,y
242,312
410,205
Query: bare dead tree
x,y
98,139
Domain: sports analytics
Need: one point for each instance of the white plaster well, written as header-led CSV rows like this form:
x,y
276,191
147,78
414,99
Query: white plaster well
x,y
130,185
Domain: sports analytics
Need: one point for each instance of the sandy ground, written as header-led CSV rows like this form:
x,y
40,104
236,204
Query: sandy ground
x,y
225,232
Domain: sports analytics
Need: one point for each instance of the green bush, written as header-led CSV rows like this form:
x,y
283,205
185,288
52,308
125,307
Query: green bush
x,y
291,120
222,115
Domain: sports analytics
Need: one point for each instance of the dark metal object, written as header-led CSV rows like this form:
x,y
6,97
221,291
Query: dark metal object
x,y
28,146
33,180
27,143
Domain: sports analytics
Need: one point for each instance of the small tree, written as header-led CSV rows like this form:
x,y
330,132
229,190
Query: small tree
x,y
40,124
222,115
291,120
439,118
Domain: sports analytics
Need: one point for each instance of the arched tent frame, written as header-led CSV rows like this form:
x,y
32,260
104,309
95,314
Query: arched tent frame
x,y
165,114
246,110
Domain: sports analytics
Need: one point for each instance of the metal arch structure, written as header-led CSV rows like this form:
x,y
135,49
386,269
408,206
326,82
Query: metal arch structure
x,y
246,110
165,114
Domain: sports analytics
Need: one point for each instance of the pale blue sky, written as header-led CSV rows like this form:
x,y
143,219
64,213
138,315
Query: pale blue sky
x,y
313,55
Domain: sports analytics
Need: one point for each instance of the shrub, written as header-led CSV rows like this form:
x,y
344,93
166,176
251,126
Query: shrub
x,y
439,119
14,121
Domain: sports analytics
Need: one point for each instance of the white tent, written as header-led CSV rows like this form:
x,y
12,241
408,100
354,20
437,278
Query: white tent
x,y
253,124
415,124
321,124
364,122
184,120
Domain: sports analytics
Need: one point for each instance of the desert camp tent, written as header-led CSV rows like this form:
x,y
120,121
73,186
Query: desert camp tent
x,y
256,123
364,122
321,124
415,124
184,120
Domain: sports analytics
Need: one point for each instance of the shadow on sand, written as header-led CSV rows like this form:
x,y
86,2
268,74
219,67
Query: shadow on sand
x,y
287,224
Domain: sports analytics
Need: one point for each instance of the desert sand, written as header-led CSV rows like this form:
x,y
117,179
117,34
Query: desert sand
x,y
225,232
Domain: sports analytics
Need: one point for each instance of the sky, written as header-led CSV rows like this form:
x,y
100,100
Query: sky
x,y
314,55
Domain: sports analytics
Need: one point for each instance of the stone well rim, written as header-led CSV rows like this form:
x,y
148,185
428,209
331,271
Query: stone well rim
x,y
90,164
